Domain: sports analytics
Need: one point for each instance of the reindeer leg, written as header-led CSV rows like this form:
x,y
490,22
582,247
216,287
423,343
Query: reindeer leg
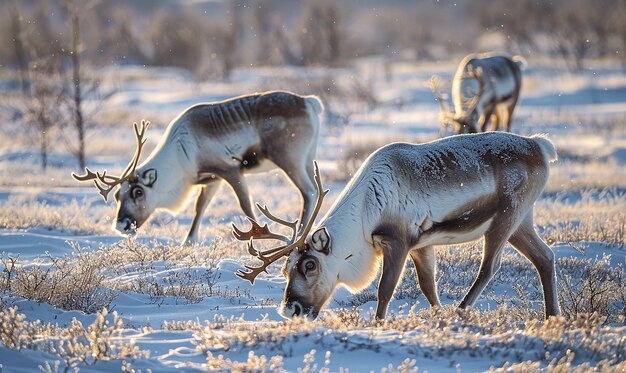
x,y
238,183
492,255
204,198
485,118
528,243
510,107
303,180
497,118
394,259
299,171
425,263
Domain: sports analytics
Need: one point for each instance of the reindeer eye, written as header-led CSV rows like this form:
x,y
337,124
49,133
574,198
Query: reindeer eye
x,y
309,266
136,193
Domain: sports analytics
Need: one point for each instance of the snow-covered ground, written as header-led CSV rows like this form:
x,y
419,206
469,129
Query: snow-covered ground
x,y
184,307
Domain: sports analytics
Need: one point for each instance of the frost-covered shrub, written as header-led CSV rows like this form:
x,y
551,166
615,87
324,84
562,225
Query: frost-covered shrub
x,y
251,334
186,272
585,285
102,340
15,332
589,215
73,216
592,286
75,345
253,363
68,283
85,282
447,333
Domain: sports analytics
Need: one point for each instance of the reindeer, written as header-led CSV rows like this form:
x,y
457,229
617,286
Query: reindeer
x,y
404,200
482,84
208,143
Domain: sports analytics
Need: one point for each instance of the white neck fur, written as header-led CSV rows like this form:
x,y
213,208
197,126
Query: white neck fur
x,y
176,168
353,255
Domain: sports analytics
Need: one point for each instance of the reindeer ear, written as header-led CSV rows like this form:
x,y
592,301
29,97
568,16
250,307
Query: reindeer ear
x,y
149,177
320,241
477,72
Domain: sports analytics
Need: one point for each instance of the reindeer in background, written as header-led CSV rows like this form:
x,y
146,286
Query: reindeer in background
x,y
211,143
484,86
404,200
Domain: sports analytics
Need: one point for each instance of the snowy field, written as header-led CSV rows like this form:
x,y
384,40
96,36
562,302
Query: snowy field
x,y
171,308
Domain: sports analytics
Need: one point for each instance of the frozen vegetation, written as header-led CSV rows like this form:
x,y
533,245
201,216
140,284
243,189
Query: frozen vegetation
x,y
73,295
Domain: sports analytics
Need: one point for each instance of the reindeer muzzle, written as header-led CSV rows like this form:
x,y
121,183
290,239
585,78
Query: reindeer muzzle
x,y
295,308
125,226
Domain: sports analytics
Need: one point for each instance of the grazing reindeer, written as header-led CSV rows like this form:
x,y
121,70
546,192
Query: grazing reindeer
x,y
482,83
208,143
404,200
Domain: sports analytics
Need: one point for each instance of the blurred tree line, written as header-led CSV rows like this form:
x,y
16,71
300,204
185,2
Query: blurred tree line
x,y
213,40
55,47
572,29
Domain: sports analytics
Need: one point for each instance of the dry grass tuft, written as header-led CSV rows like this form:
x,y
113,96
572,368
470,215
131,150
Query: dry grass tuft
x,y
21,212
66,283
87,281
591,215
76,345
447,333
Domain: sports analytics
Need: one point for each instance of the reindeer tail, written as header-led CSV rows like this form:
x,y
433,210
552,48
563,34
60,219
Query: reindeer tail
x,y
547,147
520,62
315,103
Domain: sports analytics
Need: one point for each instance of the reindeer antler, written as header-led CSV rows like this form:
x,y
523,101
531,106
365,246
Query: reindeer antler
x,y
296,241
446,114
100,179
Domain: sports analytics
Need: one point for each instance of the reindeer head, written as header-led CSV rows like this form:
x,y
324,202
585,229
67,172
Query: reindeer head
x,y
311,279
134,203
134,188
464,121
467,94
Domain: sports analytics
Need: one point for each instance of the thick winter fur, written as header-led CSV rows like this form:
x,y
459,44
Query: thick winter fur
x,y
210,143
406,198
501,80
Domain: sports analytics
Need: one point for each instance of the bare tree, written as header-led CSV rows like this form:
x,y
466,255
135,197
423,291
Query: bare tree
x,y
42,103
121,39
231,39
82,85
425,26
17,36
332,24
77,95
571,40
620,28
572,32
323,34
519,20
603,24
286,49
264,27
37,28
182,44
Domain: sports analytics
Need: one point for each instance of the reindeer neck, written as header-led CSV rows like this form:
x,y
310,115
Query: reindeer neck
x,y
175,168
350,224
353,256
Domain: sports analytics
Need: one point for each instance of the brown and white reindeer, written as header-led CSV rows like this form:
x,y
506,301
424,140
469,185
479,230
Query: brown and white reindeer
x,y
404,200
208,143
484,86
